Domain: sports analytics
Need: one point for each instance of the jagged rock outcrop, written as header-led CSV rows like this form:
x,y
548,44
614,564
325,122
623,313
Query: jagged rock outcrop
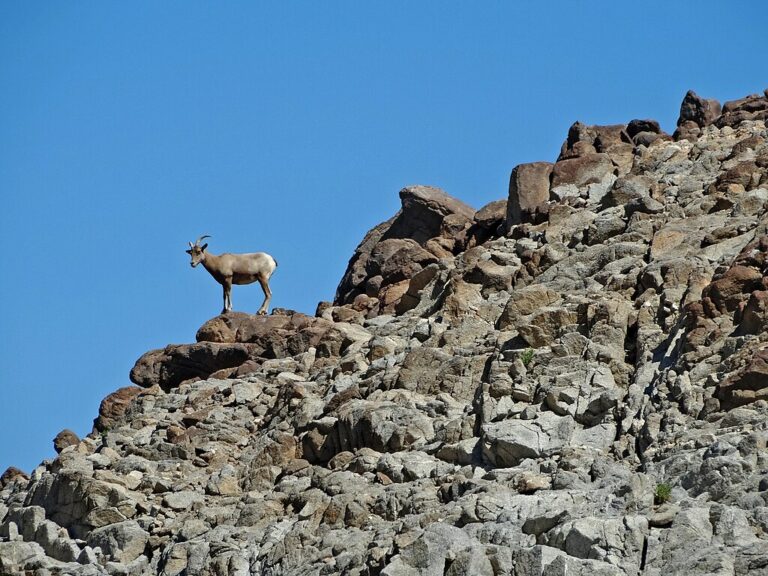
x,y
571,382
430,225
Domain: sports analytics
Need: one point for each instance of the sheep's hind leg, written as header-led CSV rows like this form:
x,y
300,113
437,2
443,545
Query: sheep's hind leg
x,y
267,296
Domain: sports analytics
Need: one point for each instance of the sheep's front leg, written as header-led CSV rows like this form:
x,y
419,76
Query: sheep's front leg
x,y
227,286
267,296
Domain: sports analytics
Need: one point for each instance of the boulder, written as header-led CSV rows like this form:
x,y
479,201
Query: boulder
x,y
384,426
729,290
584,140
280,336
122,542
627,189
488,222
754,316
397,259
635,127
424,209
747,385
65,438
224,327
647,138
695,113
508,442
545,325
174,364
430,371
12,474
528,193
698,110
20,557
583,170
524,302
114,406
182,500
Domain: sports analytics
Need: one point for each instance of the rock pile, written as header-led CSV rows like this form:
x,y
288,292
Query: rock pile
x,y
571,381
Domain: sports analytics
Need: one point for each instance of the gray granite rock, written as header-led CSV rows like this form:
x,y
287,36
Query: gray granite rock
x,y
585,395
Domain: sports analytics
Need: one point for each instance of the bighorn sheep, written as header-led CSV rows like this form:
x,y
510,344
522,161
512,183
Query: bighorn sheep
x,y
228,269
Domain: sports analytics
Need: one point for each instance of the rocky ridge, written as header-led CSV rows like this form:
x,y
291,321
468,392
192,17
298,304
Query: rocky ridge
x,y
569,381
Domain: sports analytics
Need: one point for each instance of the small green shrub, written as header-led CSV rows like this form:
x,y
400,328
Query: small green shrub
x,y
526,357
663,493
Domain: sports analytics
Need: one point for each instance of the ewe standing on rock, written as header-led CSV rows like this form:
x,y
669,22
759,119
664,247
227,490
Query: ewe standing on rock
x,y
228,269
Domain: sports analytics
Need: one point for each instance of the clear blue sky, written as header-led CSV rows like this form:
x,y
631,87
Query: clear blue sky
x,y
130,128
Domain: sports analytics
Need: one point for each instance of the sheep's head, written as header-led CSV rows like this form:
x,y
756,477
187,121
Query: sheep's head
x,y
196,251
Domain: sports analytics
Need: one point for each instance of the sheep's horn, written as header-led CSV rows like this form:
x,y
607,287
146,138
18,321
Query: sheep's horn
x,y
201,238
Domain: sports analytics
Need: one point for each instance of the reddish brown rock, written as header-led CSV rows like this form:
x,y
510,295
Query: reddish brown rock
x,y
635,127
353,283
700,111
491,215
739,292
645,132
222,328
398,259
744,174
246,340
64,439
587,169
648,138
728,291
391,295
176,435
701,330
754,316
752,107
747,385
614,141
430,225
347,314
423,210
13,474
412,295
687,130
744,145
584,139
114,406
754,254
488,222
174,364
528,193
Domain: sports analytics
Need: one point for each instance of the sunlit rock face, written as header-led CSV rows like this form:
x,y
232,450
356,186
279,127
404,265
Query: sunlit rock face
x,y
571,380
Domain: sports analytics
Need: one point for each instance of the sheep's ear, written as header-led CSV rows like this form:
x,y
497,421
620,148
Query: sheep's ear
x,y
188,251
204,246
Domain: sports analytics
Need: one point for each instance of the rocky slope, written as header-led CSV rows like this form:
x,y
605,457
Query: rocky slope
x,y
570,381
